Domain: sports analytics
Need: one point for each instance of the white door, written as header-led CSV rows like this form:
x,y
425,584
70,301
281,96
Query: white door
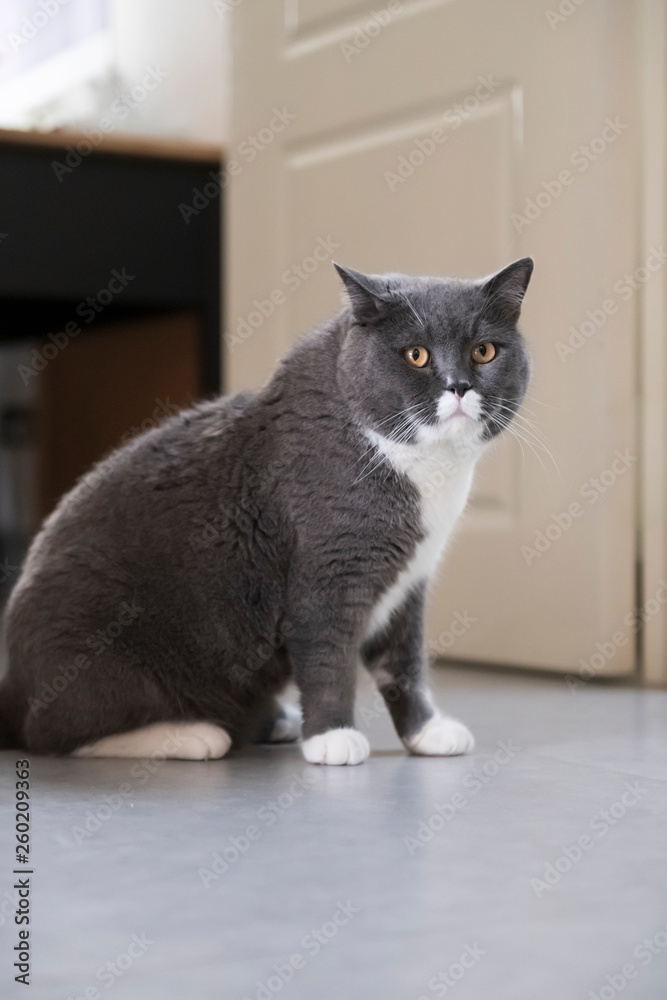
x,y
451,137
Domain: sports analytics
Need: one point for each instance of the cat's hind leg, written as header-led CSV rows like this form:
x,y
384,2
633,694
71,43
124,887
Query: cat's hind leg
x,y
167,740
110,709
281,724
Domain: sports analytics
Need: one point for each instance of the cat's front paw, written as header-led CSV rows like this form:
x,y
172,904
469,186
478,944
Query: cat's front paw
x,y
337,746
441,736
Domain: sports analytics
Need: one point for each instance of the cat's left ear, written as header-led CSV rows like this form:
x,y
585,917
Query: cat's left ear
x,y
506,289
368,295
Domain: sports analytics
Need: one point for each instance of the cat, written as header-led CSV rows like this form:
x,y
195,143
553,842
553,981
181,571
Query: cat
x,y
287,534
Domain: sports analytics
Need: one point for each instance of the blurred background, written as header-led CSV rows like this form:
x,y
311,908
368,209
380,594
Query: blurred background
x,y
176,180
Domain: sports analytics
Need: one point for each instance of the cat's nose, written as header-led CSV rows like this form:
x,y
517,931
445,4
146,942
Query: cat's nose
x,y
459,388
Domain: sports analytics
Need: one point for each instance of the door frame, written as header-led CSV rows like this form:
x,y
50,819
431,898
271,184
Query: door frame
x,y
652,388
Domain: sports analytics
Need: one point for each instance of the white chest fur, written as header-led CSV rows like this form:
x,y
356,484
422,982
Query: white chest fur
x,y
442,477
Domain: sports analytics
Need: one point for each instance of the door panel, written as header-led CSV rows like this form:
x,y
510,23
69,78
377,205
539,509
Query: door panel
x,y
418,151
302,15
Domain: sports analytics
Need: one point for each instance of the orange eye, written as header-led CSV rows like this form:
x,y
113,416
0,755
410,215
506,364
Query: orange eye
x,y
483,353
418,357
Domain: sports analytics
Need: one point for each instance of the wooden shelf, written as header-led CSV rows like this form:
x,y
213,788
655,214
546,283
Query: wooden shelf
x,y
118,144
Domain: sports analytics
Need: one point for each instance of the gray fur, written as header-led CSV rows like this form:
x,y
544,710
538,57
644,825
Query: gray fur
x,y
190,574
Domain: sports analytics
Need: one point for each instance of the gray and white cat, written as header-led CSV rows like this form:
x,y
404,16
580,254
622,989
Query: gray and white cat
x,y
287,534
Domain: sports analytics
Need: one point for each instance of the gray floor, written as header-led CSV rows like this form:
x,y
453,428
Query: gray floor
x,y
342,862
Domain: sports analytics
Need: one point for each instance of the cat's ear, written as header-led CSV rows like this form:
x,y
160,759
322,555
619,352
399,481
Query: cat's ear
x,y
369,296
505,290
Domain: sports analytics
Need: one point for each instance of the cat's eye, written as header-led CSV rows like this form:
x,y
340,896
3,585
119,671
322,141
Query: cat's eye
x,y
484,353
418,357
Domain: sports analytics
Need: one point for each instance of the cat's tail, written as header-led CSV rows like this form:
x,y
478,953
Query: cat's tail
x,y
10,718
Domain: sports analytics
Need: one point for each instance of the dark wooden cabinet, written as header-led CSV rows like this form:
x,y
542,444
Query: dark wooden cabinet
x,y
113,284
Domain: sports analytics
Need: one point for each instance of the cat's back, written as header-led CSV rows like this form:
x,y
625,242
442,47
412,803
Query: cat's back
x,y
144,498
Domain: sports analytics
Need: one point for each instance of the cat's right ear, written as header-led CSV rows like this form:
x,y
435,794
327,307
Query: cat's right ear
x,y
368,295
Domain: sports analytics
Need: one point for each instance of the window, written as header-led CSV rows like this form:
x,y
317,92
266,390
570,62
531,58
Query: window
x,y
48,48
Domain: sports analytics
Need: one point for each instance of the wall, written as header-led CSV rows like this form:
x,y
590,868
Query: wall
x,y
189,42
54,73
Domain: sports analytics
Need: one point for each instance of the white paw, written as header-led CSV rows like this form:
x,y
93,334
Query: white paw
x,y
442,736
163,741
287,727
337,746
204,741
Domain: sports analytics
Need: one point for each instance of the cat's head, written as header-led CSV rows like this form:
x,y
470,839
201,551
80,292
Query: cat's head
x,y
430,359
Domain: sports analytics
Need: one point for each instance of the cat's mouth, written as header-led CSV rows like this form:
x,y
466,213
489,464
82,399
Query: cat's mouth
x,y
458,422
454,407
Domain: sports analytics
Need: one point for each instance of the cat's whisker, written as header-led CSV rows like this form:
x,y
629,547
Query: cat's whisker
x,y
528,427
412,308
383,456
534,399
523,453
505,424
539,441
379,458
395,416
411,419
527,430
400,416
519,437
526,423
521,406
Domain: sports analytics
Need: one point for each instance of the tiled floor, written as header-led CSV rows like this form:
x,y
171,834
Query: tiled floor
x,y
536,868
